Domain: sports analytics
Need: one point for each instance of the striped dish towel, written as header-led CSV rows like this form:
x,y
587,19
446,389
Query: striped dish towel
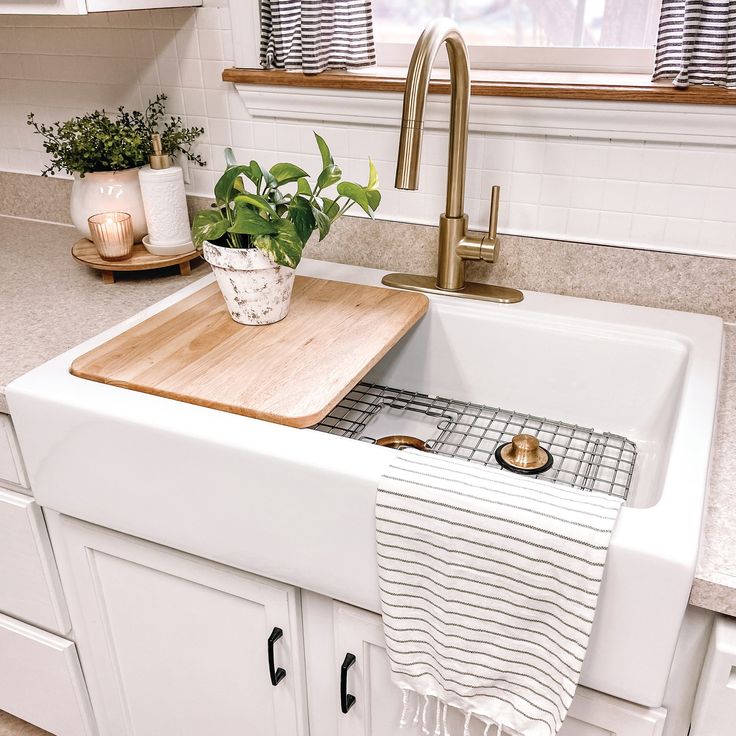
x,y
489,582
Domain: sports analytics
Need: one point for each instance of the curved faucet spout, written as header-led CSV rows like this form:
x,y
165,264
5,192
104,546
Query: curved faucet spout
x,y
440,31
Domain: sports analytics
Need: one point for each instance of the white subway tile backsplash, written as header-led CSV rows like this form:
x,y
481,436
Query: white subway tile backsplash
x,y
590,159
529,155
590,189
587,194
525,188
619,196
653,199
614,227
556,190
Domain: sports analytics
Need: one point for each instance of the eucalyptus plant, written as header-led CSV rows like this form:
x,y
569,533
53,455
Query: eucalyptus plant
x,y
276,221
98,141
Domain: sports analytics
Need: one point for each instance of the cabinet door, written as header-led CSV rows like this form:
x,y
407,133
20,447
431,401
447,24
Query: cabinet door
x,y
332,630
43,7
30,588
173,644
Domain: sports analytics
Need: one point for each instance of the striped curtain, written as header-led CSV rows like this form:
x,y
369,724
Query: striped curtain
x,y
314,35
697,43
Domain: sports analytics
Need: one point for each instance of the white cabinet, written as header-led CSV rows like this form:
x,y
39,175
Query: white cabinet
x,y
332,630
715,704
41,681
12,473
172,644
30,588
82,7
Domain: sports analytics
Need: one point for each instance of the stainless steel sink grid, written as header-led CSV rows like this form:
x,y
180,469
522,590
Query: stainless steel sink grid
x,y
583,458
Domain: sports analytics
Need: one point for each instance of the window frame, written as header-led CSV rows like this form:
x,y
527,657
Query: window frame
x,y
583,59
533,58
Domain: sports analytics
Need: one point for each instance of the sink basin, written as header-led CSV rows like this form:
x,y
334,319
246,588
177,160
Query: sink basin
x,y
297,505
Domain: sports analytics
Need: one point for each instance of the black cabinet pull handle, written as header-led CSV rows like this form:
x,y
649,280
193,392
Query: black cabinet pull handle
x,y
347,701
276,673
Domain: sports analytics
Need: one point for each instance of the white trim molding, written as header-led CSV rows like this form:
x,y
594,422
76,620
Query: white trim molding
x,y
671,123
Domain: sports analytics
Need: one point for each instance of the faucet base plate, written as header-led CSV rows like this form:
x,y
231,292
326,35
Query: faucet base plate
x,y
471,290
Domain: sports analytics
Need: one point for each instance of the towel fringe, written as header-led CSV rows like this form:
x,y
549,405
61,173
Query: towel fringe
x,y
425,730
418,711
437,718
466,726
405,708
445,732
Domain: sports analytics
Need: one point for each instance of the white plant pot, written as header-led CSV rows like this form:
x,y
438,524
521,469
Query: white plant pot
x,y
108,191
257,291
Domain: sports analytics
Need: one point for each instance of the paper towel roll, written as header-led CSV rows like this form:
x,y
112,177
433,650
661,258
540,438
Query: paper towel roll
x,y
165,204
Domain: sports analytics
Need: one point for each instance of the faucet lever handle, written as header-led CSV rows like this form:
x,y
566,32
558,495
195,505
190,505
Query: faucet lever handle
x,y
493,217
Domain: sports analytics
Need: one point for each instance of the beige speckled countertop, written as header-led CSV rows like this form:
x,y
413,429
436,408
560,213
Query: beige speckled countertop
x,y
715,580
50,309
50,303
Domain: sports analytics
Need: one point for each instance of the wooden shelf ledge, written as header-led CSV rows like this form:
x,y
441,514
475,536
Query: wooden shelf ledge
x,y
570,86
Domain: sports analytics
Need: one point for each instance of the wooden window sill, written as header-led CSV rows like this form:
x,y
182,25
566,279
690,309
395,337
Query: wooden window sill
x,y
550,85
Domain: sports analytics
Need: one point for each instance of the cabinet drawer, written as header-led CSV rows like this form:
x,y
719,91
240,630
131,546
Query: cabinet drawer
x,y
11,466
30,588
41,681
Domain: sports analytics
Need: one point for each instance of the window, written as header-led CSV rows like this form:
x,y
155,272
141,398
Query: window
x,y
562,35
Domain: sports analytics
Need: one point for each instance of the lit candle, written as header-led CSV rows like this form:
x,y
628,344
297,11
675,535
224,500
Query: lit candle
x,y
112,234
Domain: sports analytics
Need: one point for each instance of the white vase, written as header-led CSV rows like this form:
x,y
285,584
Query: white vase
x,y
108,191
257,291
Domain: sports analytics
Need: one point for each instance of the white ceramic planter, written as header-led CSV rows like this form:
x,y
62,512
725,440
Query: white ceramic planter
x,y
257,291
108,191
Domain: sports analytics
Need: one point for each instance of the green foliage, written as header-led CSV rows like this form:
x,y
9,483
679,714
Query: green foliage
x,y
99,142
280,222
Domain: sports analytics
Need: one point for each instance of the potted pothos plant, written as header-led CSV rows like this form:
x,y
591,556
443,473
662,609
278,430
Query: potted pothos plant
x,y
104,153
254,233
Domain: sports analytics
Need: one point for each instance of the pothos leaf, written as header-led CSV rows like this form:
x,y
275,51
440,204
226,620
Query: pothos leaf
x,y
330,175
254,173
322,221
372,177
284,246
248,221
208,225
230,159
302,187
374,198
255,200
270,179
330,207
300,213
357,194
225,184
324,151
286,173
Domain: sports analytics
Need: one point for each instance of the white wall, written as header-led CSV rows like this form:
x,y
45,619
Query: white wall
x,y
665,195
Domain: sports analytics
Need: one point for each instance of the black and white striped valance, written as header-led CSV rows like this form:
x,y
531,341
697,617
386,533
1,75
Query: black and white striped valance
x,y
697,43
314,35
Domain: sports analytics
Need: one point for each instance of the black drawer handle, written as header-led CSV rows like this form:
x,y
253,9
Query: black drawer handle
x,y
277,673
347,701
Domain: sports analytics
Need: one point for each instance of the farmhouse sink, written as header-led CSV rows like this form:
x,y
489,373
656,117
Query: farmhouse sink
x,y
297,505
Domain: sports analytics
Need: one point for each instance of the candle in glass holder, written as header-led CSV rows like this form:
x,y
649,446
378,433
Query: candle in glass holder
x,y
112,234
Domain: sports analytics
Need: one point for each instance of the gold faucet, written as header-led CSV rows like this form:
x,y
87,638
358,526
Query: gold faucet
x,y
456,243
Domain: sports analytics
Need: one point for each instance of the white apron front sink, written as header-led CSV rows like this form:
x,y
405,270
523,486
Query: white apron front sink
x,y
297,505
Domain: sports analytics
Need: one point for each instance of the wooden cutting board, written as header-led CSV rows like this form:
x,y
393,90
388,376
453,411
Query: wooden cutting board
x,y
293,372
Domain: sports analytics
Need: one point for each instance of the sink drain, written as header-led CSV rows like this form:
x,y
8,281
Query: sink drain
x,y
401,442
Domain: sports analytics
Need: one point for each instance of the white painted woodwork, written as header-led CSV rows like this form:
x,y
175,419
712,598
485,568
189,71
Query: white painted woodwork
x,y
172,644
331,629
715,703
80,7
30,588
41,681
11,465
